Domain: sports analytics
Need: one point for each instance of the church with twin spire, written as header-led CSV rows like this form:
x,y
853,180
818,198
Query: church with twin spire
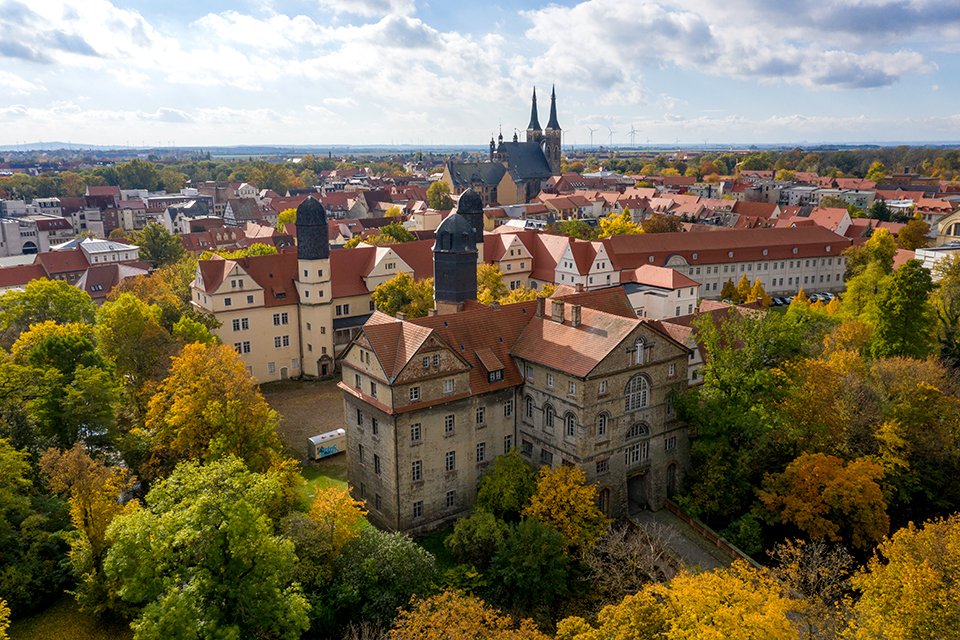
x,y
514,170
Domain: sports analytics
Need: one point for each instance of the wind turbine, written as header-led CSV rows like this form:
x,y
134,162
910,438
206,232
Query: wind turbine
x,y
705,143
591,134
611,135
633,136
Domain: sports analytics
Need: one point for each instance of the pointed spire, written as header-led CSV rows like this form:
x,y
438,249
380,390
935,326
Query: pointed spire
x,y
553,124
534,120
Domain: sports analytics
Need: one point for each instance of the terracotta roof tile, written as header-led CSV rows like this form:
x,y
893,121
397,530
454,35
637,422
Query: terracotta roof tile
x,y
20,275
662,277
62,261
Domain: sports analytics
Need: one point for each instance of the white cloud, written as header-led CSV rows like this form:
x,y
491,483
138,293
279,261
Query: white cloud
x,y
340,102
17,86
370,8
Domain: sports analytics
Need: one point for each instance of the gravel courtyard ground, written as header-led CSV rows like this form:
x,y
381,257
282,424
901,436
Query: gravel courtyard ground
x,y
307,408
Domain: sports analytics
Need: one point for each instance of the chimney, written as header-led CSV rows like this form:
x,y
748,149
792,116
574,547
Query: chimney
x,y
558,311
401,316
575,315
541,306
495,305
432,312
579,287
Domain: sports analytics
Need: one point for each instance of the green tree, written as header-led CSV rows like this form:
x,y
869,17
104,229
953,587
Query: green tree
x,y
438,196
833,202
202,560
661,223
138,174
904,321
506,490
914,235
880,211
531,566
158,246
475,540
43,300
946,304
729,291
573,228
402,294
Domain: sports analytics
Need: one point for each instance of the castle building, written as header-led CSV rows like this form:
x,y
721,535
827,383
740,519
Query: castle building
x,y
515,170
430,402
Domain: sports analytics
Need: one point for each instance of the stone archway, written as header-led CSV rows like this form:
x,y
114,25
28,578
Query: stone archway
x,y
638,492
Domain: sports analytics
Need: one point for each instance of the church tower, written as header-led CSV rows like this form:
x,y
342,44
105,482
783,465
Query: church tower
x,y
534,133
313,288
455,255
553,136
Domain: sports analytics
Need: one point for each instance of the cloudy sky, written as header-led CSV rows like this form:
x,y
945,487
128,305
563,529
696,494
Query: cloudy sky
x,y
134,72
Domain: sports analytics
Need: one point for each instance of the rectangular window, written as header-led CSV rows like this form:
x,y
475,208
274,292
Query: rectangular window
x,y
507,443
236,324
436,361
281,341
281,318
416,473
249,299
481,452
549,379
546,457
529,373
360,449
378,503
376,464
637,452
271,367
228,302
451,499
418,509
602,388
451,461
415,432
426,363
673,369
508,409
414,394
375,426
572,388
373,388
295,363
357,381
670,443
359,418
242,347
448,386
526,448
448,423
603,466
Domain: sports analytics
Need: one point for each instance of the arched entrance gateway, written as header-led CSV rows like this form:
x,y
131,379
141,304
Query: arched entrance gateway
x,y
638,492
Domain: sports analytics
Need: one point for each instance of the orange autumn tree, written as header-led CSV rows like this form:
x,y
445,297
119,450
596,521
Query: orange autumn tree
x,y
452,615
821,495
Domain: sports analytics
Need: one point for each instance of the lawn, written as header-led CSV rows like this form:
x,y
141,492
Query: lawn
x,y
63,619
329,472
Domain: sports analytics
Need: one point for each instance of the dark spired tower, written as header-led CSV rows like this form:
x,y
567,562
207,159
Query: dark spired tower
x,y
470,207
455,257
534,133
554,137
313,235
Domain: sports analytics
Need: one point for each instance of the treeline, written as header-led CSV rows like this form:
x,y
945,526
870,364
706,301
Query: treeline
x,y
154,174
848,163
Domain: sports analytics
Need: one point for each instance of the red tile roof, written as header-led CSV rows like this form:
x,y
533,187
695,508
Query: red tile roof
x,y
661,277
20,275
612,300
62,261
53,224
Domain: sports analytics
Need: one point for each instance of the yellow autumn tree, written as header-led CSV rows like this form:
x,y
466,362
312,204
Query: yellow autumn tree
x,y
337,515
851,335
522,294
564,503
618,224
757,293
639,617
452,615
490,286
743,290
38,332
207,408
4,619
738,602
910,587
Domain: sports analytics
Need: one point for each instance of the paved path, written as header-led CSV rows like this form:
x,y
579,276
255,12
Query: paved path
x,y
692,548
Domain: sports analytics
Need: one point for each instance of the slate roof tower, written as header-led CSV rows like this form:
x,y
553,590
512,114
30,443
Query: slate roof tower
x,y
553,137
455,255
314,289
